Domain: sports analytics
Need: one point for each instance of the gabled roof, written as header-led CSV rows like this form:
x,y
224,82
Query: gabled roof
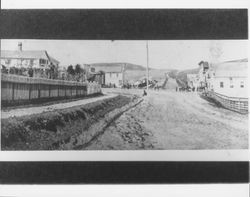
x,y
24,54
235,68
54,61
27,55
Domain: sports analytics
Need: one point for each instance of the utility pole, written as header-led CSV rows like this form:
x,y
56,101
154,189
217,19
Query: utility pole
x,y
123,73
147,64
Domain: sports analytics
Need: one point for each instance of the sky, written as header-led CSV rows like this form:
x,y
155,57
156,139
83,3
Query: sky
x,y
163,54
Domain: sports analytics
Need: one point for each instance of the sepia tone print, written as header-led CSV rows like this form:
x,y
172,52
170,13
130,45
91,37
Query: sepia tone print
x,y
124,95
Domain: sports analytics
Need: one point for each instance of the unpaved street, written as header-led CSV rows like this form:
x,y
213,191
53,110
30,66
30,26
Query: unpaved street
x,y
175,120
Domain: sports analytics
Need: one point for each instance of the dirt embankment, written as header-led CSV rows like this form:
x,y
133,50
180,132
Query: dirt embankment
x,y
70,128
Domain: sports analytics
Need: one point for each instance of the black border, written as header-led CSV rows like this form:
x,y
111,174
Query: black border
x,y
124,24
123,172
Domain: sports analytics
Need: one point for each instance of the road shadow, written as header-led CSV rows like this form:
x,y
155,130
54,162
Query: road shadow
x,y
212,101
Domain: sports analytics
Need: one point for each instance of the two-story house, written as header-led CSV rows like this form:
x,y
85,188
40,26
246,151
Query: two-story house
x,y
39,62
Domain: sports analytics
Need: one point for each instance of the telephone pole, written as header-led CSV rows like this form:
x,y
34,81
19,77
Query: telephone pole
x,y
147,70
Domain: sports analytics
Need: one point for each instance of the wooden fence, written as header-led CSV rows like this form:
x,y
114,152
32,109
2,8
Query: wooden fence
x,y
18,89
232,103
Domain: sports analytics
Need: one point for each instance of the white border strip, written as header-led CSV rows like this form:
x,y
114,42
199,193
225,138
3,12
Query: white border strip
x,y
189,190
135,155
96,4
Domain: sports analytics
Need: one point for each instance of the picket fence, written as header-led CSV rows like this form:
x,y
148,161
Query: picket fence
x,y
232,103
19,89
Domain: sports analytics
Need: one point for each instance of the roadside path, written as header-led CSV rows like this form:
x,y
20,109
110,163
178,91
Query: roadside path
x,y
171,84
40,109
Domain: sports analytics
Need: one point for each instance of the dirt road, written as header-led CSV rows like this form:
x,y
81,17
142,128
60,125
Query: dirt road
x,y
175,120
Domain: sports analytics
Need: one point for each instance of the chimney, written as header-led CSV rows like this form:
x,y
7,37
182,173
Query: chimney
x,y
20,46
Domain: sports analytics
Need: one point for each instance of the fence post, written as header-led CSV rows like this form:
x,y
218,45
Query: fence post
x,y
13,91
49,91
65,91
29,90
39,89
58,92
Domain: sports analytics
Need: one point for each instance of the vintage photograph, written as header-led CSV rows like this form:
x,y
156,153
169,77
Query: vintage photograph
x,y
124,94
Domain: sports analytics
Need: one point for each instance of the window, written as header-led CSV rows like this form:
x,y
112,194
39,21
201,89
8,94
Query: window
x,y
231,82
221,84
32,62
7,61
242,84
110,75
116,74
43,61
19,62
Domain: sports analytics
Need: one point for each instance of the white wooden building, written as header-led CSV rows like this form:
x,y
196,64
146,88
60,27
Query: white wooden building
x,y
114,74
229,78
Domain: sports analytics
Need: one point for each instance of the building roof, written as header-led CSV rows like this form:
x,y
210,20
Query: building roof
x,y
235,68
27,55
53,60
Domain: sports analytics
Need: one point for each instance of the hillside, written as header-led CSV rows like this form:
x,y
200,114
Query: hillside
x,y
128,66
182,75
135,72
155,74
188,71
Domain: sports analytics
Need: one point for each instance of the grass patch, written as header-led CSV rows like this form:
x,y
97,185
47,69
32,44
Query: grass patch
x,y
47,130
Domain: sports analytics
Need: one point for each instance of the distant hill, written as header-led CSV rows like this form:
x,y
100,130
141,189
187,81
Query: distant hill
x,y
188,71
155,74
128,66
135,72
182,75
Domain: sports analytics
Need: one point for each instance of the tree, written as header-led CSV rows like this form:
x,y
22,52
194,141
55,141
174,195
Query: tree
x,y
101,72
4,69
30,72
53,71
70,70
79,72
78,69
